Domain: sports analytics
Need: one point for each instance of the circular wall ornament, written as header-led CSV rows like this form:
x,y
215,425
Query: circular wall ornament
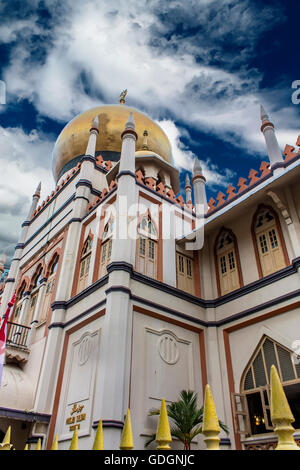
x,y
85,348
168,349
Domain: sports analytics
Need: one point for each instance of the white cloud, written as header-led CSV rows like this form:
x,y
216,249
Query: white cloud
x,y
25,160
184,158
120,45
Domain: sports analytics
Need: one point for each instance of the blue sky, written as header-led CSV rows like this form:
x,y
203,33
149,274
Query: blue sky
x,y
198,67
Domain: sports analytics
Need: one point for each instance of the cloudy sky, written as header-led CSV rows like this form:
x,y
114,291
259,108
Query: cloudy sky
x,y
199,67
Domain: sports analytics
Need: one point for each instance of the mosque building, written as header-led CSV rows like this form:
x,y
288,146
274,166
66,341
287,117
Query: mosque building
x,y
126,292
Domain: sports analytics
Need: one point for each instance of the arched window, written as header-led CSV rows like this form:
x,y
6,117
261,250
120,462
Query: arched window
x,y
255,384
185,273
49,288
84,266
269,242
106,247
146,259
227,263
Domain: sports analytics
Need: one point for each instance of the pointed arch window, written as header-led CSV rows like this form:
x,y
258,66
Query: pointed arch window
x,y
269,242
49,288
84,264
255,385
146,257
106,247
229,276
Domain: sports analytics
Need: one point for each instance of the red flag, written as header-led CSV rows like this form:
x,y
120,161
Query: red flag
x,y
3,331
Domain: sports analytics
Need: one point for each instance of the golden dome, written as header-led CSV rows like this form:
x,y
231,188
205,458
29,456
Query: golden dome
x,y
72,141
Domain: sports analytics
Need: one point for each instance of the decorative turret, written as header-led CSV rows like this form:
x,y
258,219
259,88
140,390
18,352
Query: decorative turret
x,y
94,131
267,128
188,189
199,182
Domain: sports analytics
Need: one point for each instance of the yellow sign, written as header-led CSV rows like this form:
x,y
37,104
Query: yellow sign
x,y
71,420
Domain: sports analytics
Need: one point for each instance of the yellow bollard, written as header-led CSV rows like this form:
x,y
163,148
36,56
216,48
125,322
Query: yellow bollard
x,y
98,443
74,442
127,438
6,445
281,415
211,428
39,445
163,434
55,443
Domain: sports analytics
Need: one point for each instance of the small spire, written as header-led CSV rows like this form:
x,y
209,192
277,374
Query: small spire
x,y
163,434
263,114
6,439
281,415
211,428
95,123
130,124
55,443
127,438
98,442
187,181
197,167
145,140
38,190
74,442
122,96
39,445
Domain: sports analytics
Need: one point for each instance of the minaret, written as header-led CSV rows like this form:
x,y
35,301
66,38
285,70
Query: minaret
x,y
267,128
199,182
188,189
115,349
67,268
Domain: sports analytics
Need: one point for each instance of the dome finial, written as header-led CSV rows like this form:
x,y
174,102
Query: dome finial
x,y
123,95
145,140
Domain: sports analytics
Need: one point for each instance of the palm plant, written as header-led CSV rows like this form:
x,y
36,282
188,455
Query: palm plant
x,y
186,419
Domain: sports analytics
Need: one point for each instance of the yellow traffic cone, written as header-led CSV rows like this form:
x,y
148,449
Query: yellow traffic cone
x,y
98,442
163,434
211,428
127,438
26,447
281,414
